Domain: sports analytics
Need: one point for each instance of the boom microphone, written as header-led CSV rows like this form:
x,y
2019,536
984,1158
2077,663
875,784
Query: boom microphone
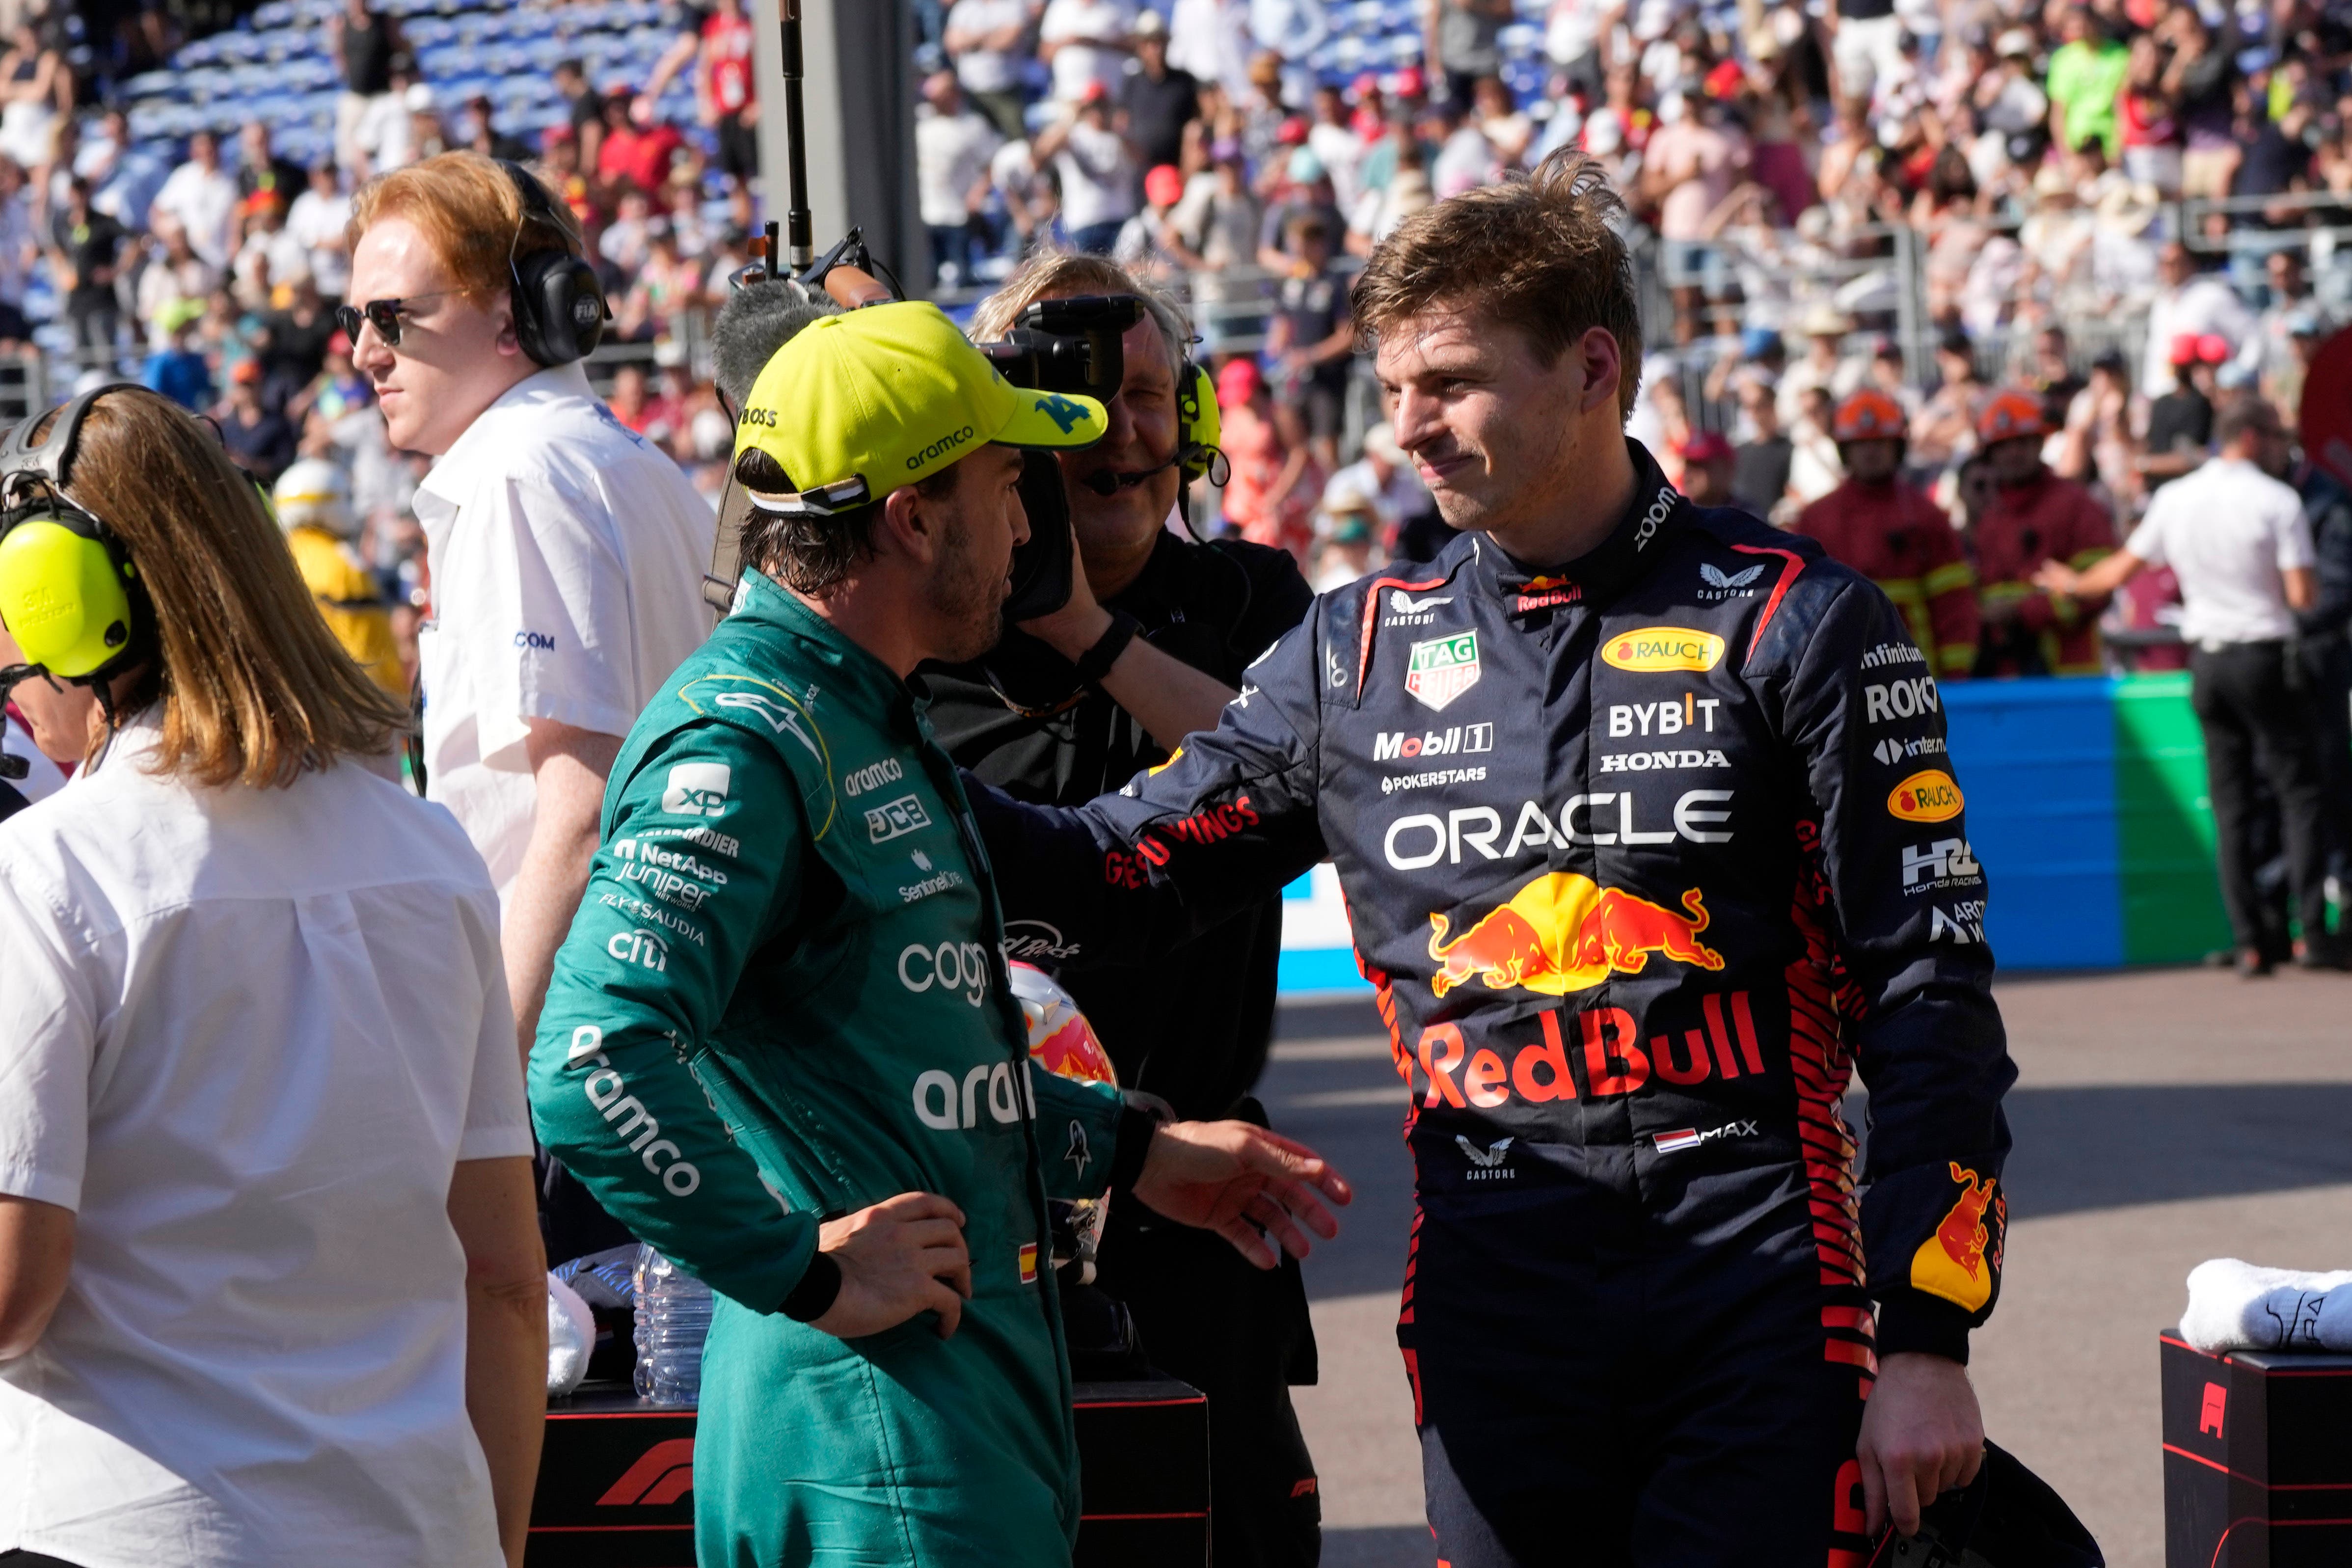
x,y
1106,483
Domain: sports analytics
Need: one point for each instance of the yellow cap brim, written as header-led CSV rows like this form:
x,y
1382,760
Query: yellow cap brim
x,y
1052,421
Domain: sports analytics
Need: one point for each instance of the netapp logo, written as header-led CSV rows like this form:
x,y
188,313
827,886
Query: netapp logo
x,y
1397,745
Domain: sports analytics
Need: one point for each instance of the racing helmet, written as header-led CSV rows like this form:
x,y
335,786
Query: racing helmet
x,y
2011,414
315,493
1063,1043
1869,415
2007,1517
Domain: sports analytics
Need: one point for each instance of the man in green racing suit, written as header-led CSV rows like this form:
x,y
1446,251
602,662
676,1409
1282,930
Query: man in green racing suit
x,y
779,1044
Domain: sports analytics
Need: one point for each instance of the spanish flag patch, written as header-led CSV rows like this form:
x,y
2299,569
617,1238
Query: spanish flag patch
x,y
1028,1263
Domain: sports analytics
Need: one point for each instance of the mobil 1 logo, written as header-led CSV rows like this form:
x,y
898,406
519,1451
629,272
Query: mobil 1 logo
x,y
1456,740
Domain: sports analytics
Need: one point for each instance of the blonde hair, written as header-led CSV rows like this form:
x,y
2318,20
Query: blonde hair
x,y
471,214
254,690
1062,274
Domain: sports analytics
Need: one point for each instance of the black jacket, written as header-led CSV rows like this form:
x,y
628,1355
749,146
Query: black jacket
x,y
1645,855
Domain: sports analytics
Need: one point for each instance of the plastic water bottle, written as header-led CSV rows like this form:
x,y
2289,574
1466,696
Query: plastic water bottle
x,y
673,1318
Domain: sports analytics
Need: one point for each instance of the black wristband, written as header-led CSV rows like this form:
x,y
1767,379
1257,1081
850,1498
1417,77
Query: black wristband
x,y
814,1296
1096,662
1140,1119
1911,1320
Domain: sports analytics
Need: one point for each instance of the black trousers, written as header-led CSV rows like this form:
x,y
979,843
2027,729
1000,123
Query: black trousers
x,y
2254,718
2328,663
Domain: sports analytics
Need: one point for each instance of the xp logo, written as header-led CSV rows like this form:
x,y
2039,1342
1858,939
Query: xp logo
x,y
902,816
1653,649
950,966
1926,796
539,642
663,1474
698,789
1065,413
639,948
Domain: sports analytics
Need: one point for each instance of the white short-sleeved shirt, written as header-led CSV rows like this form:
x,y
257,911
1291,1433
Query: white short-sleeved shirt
x,y
1080,64
246,1036
2230,533
204,201
567,557
43,778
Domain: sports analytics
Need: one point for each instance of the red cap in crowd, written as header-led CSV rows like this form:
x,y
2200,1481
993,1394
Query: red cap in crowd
x,y
1410,83
1868,416
1705,446
2010,414
2213,348
1291,132
1726,81
1238,382
1164,185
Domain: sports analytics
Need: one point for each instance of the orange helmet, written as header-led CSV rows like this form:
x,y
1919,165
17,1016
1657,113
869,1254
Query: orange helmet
x,y
1868,416
2011,414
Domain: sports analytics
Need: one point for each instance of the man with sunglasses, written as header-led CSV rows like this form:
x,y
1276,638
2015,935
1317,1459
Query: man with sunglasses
x,y
566,554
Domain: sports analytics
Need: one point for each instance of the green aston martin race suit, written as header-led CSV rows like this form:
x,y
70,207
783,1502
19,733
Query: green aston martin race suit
x,y
784,1000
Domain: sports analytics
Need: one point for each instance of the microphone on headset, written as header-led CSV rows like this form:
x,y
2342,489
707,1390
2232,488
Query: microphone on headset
x,y
1108,483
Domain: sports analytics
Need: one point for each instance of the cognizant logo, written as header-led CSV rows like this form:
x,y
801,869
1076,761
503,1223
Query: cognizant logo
x,y
609,1093
950,966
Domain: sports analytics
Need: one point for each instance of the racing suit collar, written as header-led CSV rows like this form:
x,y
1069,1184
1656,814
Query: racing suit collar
x,y
764,602
1656,511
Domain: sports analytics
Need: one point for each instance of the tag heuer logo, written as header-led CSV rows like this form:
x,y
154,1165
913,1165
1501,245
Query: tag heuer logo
x,y
1443,669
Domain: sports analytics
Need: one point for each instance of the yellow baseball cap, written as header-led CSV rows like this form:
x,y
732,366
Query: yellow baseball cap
x,y
858,403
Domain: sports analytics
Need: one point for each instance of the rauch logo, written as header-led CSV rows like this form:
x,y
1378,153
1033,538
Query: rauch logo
x,y
1663,647
1928,796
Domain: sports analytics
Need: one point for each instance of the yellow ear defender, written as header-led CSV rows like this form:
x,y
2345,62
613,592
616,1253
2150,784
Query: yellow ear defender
x,y
1199,425
69,595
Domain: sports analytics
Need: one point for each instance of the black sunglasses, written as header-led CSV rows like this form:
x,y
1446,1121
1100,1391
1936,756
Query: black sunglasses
x,y
384,315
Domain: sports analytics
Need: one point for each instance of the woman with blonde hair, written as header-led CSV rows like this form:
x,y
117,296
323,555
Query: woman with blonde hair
x,y
270,1286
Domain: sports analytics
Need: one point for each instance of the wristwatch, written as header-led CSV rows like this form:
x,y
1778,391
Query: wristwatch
x,y
1096,662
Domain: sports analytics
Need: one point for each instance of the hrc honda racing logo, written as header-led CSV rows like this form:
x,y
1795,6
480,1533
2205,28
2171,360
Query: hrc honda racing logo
x,y
609,1093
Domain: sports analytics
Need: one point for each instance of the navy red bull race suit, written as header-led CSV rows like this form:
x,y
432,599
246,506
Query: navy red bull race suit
x,y
1645,855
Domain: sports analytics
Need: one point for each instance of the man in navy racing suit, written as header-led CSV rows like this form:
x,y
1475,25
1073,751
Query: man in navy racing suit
x,y
1649,839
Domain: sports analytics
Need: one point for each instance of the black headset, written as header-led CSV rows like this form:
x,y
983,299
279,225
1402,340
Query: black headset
x,y
559,309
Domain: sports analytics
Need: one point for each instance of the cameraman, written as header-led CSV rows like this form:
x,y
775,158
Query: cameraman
x,y
1024,719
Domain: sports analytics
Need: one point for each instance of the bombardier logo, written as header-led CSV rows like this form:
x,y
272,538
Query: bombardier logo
x,y
1403,745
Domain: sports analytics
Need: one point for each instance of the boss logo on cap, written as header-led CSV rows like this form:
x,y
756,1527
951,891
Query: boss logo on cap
x,y
946,443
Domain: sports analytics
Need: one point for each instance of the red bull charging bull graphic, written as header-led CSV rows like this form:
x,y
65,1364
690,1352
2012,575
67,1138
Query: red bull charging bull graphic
x,y
1562,933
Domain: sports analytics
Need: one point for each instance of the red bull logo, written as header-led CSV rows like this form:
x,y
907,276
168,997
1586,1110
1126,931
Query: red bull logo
x,y
1562,933
1951,1263
1613,1060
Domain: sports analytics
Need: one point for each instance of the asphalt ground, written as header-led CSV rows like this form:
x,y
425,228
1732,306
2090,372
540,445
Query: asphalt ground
x,y
2161,1117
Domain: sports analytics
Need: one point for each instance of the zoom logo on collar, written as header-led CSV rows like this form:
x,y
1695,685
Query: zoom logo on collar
x,y
69,592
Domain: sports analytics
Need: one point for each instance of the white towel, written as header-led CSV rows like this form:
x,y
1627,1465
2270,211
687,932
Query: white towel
x,y
2236,1306
571,1336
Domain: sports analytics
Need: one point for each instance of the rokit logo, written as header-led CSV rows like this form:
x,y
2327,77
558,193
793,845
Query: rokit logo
x,y
698,789
1891,751
874,775
1945,863
1900,700
1962,923
1722,584
1459,740
1666,718
1414,842
1887,654
950,966
895,818
1404,610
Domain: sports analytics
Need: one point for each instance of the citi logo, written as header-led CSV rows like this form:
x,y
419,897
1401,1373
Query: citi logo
x,y
641,948
663,1474
1396,745
874,775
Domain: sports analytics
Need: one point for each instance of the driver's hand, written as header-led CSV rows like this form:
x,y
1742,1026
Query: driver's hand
x,y
1244,1182
903,1256
1922,1435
